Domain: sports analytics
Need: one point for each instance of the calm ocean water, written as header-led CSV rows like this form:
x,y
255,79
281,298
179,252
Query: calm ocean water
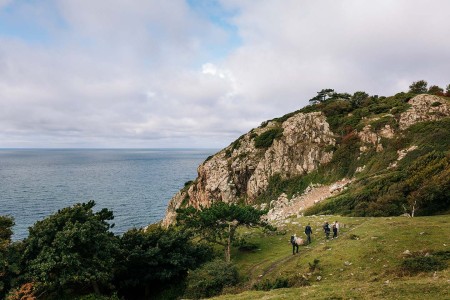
x,y
136,184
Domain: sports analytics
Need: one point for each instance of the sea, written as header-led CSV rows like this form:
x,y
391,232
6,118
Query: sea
x,y
136,184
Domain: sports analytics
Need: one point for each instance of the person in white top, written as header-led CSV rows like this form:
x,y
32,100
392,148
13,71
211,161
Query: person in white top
x,y
335,229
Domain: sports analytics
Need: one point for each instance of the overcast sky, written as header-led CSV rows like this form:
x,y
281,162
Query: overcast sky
x,y
173,73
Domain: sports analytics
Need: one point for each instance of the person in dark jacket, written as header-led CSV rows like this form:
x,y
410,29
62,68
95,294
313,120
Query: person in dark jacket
x,y
326,229
308,232
335,229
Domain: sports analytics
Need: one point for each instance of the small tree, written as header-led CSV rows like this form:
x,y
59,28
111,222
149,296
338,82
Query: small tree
x,y
358,97
71,250
436,90
418,87
218,223
323,95
447,91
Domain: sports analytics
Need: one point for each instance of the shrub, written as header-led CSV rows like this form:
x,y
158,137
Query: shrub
x,y
210,279
265,139
244,245
281,282
415,265
313,266
267,285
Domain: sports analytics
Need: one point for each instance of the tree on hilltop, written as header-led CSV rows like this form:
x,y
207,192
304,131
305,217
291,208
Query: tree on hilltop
x,y
323,95
436,90
418,87
358,97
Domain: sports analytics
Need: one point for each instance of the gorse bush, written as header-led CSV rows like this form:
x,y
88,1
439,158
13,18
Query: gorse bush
x,y
265,139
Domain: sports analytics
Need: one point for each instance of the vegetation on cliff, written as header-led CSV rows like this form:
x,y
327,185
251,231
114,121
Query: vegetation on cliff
x,y
385,185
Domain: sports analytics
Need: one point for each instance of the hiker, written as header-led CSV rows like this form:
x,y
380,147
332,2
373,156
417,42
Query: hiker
x,y
326,228
294,244
308,232
335,229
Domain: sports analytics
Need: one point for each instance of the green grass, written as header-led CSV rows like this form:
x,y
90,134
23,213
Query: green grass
x,y
363,263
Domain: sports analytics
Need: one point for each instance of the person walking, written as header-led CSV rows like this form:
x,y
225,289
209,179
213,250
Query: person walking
x,y
326,229
294,244
308,232
335,229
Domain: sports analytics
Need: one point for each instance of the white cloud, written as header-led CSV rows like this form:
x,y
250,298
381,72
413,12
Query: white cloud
x,y
112,73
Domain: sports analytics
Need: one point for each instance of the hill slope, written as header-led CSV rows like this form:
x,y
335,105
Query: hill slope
x,y
371,259
395,150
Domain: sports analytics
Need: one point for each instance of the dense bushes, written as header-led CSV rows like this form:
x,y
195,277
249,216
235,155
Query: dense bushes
x,y
425,184
210,279
265,139
73,255
151,261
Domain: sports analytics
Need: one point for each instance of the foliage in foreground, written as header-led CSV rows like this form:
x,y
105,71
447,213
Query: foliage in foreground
x,y
73,255
210,279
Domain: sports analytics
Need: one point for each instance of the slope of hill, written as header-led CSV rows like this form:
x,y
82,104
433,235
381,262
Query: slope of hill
x,y
394,150
373,258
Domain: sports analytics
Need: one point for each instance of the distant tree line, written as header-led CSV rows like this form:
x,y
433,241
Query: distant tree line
x,y
417,87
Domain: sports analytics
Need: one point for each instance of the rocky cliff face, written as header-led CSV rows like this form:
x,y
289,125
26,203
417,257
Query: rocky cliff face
x,y
241,172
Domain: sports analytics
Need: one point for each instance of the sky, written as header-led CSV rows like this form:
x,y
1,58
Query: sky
x,y
199,73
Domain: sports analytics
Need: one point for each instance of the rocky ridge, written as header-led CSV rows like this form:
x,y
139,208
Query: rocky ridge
x,y
241,171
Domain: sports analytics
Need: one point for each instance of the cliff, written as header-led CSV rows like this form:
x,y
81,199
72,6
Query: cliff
x,y
325,139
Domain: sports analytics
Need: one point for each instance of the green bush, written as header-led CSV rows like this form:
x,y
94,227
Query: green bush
x,y
265,139
415,265
267,285
281,282
210,279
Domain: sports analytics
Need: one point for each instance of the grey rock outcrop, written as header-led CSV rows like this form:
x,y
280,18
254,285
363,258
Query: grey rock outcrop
x,y
241,171
424,108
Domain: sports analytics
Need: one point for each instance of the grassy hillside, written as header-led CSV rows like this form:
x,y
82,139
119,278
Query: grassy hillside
x,y
368,260
384,186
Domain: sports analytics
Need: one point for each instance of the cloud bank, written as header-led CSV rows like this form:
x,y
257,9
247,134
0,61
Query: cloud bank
x,y
112,73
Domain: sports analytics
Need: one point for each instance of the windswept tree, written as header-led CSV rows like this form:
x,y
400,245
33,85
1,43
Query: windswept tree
x,y
418,87
322,96
71,251
219,222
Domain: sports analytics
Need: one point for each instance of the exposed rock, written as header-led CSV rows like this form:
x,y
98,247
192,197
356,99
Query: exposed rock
x,y
423,109
243,171
367,136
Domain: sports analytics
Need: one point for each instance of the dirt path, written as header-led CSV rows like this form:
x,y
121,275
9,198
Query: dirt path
x,y
283,208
